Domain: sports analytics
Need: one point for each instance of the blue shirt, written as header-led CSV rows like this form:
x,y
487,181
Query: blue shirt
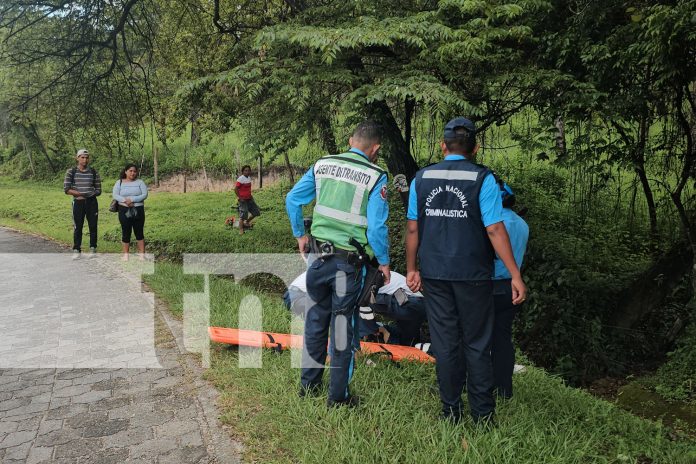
x,y
377,211
136,190
518,230
490,203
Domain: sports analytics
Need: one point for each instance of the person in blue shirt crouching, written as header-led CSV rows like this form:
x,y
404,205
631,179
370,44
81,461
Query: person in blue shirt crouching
x,y
502,349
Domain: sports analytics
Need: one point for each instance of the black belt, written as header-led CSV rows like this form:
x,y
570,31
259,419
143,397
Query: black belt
x,y
350,256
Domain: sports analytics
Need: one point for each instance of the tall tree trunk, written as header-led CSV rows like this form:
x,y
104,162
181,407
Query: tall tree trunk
x,y
31,161
409,108
260,171
652,286
561,150
195,136
326,134
239,162
289,167
155,164
639,166
185,168
205,177
397,155
42,147
638,159
687,124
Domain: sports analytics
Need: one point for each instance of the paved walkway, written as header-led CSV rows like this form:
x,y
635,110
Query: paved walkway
x,y
90,371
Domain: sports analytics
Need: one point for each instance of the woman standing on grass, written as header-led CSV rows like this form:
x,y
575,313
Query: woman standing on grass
x,y
130,193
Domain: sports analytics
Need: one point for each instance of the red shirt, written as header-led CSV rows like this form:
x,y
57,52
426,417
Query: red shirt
x,y
243,187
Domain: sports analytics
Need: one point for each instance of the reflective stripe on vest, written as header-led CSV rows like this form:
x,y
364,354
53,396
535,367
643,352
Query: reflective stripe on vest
x,y
341,216
453,241
450,175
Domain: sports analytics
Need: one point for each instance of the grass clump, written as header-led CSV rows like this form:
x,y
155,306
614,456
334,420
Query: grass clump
x,y
676,379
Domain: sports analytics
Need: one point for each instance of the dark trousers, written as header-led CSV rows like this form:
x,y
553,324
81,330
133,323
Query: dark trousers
x,y
87,208
460,317
134,224
409,317
502,350
333,287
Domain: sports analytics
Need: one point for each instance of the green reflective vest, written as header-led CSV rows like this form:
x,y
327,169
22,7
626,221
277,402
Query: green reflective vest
x,y
343,185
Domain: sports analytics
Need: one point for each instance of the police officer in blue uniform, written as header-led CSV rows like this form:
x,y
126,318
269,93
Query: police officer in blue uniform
x,y
454,229
350,209
502,350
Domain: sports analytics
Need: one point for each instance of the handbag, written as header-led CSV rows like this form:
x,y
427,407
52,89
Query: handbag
x,y
113,207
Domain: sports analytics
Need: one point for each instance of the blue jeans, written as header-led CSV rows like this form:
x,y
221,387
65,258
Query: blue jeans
x,y
333,288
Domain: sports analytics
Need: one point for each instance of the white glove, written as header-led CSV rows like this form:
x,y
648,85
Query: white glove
x,y
366,313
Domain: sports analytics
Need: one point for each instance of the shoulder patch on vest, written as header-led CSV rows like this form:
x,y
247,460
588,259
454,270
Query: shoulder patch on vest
x,y
383,192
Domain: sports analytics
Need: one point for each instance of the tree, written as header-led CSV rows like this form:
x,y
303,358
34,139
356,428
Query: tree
x,y
387,60
84,61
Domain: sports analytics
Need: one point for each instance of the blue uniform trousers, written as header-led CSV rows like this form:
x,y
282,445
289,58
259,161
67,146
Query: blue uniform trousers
x,y
409,317
503,351
333,286
460,317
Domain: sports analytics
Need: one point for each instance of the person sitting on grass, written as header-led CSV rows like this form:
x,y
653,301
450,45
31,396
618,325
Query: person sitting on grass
x,y
248,210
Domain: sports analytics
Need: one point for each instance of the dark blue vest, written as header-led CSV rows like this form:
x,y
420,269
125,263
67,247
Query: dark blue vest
x,y
453,244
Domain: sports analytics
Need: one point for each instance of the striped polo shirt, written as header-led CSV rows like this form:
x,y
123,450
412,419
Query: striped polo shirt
x,y
84,182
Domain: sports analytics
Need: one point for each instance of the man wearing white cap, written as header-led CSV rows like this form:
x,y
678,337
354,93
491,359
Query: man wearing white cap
x,y
84,184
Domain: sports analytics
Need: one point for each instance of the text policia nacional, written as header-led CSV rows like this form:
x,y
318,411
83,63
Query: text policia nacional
x,y
452,213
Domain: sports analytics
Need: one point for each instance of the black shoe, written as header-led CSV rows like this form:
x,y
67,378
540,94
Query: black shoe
x,y
485,422
352,402
312,390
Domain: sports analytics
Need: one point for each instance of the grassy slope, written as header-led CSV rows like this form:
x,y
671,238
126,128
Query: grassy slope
x,y
545,422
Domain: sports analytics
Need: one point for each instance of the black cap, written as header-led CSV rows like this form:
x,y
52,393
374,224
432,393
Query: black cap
x,y
458,123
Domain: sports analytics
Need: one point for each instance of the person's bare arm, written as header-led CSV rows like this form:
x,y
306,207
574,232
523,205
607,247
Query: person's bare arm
x,y
413,279
497,234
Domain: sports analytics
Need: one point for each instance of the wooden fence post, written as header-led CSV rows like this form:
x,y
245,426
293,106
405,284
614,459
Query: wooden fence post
x,y
260,171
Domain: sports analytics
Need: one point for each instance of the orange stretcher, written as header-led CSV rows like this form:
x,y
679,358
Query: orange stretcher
x,y
280,342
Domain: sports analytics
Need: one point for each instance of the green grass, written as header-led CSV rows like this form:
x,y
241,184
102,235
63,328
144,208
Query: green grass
x,y
175,223
676,379
546,421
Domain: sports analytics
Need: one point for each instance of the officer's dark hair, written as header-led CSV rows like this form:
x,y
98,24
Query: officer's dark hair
x,y
463,142
369,132
246,166
509,201
122,175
